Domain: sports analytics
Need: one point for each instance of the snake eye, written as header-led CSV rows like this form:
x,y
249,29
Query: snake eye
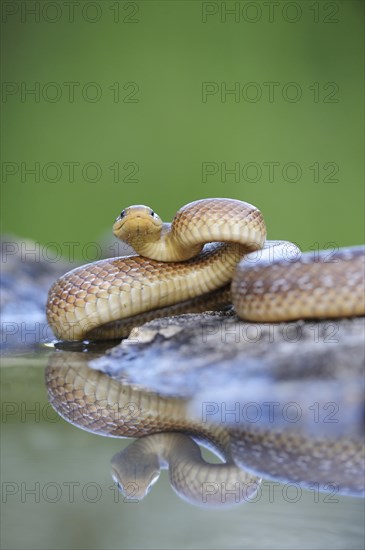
x,y
152,213
122,214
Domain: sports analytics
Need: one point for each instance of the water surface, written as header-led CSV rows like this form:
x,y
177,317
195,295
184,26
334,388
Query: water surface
x,y
56,484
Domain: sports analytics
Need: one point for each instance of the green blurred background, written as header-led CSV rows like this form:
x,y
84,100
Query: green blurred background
x,y
145,111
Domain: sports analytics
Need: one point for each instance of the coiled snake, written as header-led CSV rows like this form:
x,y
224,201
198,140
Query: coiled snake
x,y
174,272
108,297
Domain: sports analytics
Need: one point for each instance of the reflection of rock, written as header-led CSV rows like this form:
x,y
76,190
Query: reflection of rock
x,y
300,377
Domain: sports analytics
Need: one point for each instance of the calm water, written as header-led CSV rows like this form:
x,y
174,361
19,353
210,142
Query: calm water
x,y
56,485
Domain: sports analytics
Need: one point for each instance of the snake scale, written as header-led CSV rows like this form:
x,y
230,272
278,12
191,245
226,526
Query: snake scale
x,y
213,249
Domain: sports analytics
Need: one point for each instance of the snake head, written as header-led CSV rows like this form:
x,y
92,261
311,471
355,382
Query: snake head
x,y
138,225
135,472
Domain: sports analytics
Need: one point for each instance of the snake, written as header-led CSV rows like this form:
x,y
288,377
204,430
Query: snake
x,y
214,252
198,262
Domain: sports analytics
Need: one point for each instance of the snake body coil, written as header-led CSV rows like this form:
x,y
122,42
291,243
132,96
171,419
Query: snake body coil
x,y
174,273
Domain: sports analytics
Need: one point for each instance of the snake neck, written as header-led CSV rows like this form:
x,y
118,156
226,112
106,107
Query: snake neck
x,y
164,246
192,478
